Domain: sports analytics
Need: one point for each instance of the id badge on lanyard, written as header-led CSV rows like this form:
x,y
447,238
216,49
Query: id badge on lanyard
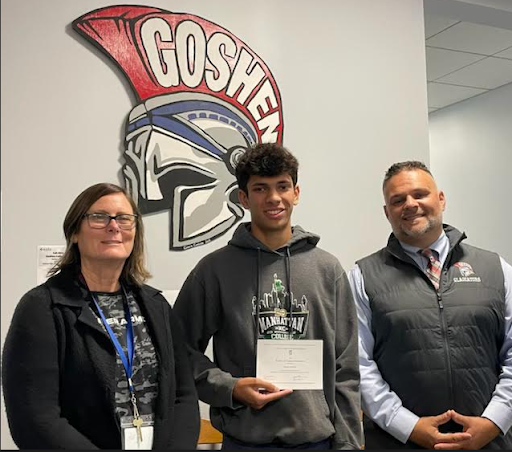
x,y
138,437
137,432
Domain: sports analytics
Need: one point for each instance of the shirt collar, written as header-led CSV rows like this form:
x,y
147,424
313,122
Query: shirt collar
x,y
441,246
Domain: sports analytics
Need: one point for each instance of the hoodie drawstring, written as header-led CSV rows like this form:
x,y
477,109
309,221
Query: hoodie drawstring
x,y
290,292
258,289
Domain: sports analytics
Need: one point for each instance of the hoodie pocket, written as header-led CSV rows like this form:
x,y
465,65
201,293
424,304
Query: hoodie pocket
x,y
322,401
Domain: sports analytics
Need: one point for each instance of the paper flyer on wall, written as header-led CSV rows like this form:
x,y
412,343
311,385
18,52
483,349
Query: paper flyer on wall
x,y
47,257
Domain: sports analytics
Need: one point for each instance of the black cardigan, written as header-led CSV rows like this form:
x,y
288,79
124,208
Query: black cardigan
x,y
59,372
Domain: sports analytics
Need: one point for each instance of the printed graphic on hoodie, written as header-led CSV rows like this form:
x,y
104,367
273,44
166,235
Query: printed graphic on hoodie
x,y
275,321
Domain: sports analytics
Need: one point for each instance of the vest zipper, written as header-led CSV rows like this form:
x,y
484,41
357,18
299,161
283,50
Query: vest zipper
x,y
444,330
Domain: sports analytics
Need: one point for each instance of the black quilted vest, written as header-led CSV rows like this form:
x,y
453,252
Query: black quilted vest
x,y
438,350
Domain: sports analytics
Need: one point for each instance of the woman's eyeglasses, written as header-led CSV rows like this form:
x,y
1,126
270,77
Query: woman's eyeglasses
x,y
102,220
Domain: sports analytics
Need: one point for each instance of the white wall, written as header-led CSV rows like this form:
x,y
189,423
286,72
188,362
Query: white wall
x,y
352,80
471,158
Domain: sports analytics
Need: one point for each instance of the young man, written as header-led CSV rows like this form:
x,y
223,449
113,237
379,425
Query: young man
x,y
435,323
272,282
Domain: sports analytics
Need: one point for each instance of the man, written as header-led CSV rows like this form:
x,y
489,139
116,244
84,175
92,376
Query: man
x,y
272,282
435,320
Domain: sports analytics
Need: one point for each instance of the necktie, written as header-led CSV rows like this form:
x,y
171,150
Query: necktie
x,y
433,270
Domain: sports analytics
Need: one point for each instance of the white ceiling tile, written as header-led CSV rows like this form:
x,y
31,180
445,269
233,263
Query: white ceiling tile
x,y
488,73
469,37
440,95
507,53
435,24
442,62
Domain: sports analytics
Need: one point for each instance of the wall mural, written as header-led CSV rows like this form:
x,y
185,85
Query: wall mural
x,y
203,97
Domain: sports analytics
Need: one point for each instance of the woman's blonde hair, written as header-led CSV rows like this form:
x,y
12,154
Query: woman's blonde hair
x,y
134,270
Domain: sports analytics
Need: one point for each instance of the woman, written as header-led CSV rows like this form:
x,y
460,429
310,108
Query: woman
x,y
93,358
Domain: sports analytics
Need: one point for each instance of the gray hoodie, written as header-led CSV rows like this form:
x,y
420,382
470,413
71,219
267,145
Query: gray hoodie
x,y
244,291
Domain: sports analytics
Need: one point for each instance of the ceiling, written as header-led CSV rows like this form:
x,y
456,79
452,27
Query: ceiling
x,y
468,48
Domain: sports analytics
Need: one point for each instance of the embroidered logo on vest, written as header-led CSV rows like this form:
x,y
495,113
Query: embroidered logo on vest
x,y
467,273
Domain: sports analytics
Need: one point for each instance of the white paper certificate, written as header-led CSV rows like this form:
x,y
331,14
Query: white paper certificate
x,y
291,364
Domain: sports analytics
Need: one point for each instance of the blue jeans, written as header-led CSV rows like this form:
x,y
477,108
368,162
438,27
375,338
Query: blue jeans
x,y
230,444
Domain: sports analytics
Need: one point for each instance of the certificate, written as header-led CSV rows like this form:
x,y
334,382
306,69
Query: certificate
x,y
291,364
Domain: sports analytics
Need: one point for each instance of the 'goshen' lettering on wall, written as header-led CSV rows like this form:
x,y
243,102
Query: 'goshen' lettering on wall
x,y
182,52
183,58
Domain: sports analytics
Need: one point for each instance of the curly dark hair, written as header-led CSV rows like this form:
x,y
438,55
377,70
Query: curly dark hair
x,y
267,160
409,165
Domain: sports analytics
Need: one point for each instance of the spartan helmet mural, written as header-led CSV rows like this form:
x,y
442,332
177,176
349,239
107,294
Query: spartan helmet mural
x,y
180,156
205,97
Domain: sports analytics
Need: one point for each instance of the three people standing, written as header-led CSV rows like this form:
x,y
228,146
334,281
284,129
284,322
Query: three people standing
x,y
94,358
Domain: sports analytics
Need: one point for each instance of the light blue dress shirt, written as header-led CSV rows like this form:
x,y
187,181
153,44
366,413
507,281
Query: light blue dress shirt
x,y
383,405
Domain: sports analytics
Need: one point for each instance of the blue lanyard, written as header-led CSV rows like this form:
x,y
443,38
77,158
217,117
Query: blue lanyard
x,y
127,360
